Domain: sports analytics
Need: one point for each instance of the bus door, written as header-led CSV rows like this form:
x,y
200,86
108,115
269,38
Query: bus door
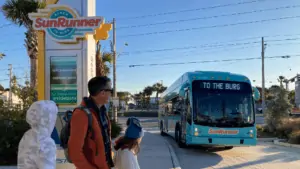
x,y
186,116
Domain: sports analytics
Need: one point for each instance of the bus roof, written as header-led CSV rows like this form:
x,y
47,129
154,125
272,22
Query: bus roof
x,y
188,77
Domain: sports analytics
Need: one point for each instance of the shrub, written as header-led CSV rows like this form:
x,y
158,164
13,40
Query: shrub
x,y
11,131
259,128
289,129
294,137
115,129
277,108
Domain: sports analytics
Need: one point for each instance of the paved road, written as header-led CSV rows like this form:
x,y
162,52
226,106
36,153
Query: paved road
x,y
262,156
260,120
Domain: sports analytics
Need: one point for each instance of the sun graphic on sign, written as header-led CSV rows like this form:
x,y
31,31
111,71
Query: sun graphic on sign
x,y
63,23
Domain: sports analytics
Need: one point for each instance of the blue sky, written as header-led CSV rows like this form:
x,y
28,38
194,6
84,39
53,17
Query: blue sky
x,y
135,79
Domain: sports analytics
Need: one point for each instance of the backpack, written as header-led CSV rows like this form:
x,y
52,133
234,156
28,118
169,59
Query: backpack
x,y
65,131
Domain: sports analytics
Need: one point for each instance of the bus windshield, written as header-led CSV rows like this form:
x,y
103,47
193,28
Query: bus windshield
x,y
222,104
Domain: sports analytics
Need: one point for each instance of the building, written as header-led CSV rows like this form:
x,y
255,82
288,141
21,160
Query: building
x,y
15,99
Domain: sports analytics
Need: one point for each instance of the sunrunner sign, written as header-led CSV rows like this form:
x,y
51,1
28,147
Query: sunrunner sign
x,y
63,24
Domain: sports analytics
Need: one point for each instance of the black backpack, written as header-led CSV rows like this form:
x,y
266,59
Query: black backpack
x,y
65,131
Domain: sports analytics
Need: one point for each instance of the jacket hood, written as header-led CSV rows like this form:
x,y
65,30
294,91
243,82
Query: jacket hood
x,y
42,117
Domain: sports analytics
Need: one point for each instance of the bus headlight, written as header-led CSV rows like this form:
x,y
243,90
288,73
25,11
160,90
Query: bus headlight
x,y
196,133
250,133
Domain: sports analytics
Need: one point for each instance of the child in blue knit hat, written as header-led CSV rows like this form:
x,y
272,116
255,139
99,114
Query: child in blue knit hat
x,y
128,146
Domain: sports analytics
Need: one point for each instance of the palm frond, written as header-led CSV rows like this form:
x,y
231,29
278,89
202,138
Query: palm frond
x,y
107,57
17,11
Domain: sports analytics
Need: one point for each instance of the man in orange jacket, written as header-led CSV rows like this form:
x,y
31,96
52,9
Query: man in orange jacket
x,y
92,150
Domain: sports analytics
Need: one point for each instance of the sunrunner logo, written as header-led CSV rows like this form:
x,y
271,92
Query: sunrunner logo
x,y
223,132
63,23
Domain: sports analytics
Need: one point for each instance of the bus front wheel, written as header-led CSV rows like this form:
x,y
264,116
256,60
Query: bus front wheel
x,y
161,126
178,137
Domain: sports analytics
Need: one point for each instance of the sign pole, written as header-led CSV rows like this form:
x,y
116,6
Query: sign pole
x,y
115,111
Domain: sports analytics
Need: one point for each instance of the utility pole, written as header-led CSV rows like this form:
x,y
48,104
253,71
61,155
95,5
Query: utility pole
x,y
115,111
10,84
263,73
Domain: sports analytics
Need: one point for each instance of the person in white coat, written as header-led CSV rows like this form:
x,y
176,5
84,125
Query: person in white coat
x,y
128,146
37,150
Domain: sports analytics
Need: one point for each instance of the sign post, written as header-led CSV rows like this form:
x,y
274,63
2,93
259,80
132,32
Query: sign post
x,y
66,40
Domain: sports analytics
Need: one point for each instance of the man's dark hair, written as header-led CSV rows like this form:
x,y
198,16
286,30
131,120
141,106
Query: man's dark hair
x,y
96,84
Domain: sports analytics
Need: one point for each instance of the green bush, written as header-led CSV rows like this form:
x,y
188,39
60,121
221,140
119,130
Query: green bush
x,y
115,129
12,128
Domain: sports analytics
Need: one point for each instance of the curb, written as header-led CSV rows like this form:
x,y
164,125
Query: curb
x,y
280,143
267,139
174,158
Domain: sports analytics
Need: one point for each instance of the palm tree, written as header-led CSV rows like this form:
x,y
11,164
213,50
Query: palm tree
x,y
138,98
123,96
281,79
159,88
17,12
102,69
147,93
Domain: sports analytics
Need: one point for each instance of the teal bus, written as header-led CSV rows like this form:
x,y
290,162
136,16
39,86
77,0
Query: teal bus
x,y
209,108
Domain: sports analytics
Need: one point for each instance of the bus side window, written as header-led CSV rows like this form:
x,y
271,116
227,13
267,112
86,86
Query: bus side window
x,y
188,108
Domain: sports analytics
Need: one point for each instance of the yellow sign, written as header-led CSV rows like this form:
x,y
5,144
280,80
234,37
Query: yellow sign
x,y
102,32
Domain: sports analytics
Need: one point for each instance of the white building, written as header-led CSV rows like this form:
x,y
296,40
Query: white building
x,y
5,97
131,100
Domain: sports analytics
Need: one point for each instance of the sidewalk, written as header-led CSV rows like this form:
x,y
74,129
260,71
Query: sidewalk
x,y
154,153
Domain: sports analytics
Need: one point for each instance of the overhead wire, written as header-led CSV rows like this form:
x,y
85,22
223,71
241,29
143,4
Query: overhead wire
x,y
211,17
195,9
212,61
208,45
212,26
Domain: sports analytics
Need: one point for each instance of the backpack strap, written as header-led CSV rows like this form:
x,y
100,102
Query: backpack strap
x,y
90,119
90,124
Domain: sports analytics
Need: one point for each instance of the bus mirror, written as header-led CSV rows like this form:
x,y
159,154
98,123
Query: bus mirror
x,y
255,93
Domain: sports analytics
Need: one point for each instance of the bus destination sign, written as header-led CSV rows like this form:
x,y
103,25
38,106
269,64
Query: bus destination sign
x,y
221,85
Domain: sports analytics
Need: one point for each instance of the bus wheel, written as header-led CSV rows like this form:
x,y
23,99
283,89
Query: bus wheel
x,y
179,142
176,134
162,129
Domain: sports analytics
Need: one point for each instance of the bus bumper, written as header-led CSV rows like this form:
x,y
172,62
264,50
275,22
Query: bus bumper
x,y
214,141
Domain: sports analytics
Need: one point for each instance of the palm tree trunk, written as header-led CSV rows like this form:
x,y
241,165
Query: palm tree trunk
x,y
33,72
156,98
99,62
